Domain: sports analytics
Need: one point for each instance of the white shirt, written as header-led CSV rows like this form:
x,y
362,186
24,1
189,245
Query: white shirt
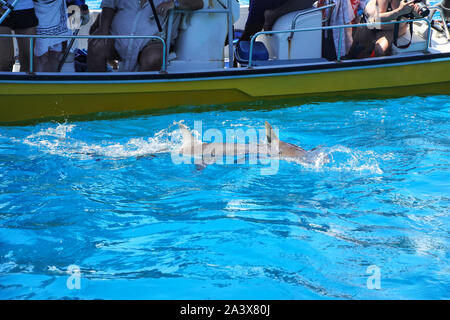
x,y
133,20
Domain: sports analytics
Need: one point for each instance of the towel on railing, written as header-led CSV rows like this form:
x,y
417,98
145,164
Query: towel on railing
x,y
52,16
342,14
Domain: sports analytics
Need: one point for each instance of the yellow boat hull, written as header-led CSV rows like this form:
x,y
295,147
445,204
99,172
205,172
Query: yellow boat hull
x,y
22,101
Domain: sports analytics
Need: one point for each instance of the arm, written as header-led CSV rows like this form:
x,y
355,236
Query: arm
x,y
404,7
102,25
190,4
164,7
105,22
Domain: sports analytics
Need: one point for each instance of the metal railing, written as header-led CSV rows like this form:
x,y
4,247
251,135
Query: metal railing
x,y
166,43
308,11
340,27
228,9
9,6
33,37
442,10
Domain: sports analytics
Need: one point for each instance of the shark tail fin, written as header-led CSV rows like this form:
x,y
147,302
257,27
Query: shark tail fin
x,y
188,138
270,134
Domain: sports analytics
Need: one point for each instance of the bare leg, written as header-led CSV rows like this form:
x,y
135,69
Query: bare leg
x,y
54,59
41,62
6,51
250,30
99,50
363,43
255,19
48,62
150,58
383,43
24,48
263,14
270,16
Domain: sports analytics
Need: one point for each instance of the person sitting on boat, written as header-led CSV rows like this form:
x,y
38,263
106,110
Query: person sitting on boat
x,y
124,18
263,14
52,16
22,20
345,12
378,41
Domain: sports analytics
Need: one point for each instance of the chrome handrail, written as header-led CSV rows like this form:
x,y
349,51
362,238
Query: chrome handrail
x,y
10,7
375,24
307,11
166,42
440,7
32,37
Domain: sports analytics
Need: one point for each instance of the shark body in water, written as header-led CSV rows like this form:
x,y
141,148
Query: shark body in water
x,y
273,148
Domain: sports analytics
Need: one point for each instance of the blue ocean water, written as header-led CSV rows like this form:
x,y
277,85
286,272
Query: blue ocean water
x,y
105,197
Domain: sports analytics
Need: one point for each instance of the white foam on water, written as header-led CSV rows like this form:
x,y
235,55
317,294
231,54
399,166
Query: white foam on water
x,y
346,159
343,159
58,141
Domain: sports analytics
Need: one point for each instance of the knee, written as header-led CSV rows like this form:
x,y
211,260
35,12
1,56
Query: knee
x,y
96,49
382,47
151,62
381,51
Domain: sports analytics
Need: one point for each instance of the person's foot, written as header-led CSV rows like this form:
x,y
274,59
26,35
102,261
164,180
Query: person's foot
x,y
269,19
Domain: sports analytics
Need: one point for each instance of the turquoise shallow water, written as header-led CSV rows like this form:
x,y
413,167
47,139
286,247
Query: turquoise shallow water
x,y
89,194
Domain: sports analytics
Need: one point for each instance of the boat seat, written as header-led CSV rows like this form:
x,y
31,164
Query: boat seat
x,y
201,39
303,45
418,44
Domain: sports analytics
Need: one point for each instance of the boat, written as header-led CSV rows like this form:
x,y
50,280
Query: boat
x,y
198,77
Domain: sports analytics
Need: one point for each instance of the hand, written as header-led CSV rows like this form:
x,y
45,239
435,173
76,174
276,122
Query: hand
x,y
416,10
164,7
405,7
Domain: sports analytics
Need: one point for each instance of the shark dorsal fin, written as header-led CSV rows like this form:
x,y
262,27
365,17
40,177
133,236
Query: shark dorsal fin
x,y
270,134
188,138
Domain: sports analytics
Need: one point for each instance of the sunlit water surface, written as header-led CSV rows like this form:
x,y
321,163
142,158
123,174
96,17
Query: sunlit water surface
x,y
105,196
91,194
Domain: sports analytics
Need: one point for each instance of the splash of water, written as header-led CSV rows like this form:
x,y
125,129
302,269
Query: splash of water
x,y
58,141
346,159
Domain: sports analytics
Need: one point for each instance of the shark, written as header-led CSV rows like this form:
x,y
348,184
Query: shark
x,y
273,148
